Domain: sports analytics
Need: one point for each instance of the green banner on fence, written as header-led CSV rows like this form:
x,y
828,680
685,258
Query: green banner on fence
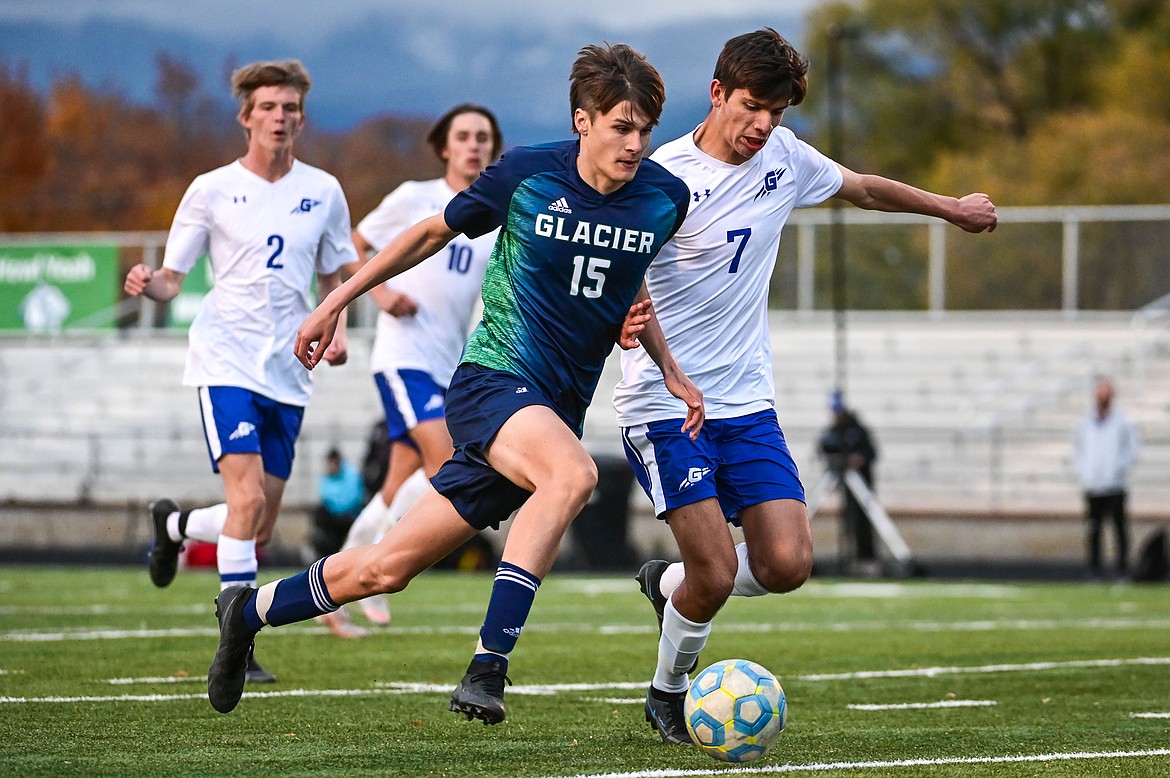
x,y
45,289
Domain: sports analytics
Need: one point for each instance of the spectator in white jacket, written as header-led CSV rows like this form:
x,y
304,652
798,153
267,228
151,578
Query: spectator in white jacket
x,y
1105,448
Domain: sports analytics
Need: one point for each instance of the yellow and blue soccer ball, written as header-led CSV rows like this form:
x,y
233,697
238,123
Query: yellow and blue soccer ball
x,y
735,710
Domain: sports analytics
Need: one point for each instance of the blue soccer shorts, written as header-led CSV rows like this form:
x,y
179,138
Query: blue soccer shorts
x,y
240,421
479,401
409,397
741,461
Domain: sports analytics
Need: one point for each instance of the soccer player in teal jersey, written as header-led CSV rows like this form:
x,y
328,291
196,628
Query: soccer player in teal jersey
x,y
579,223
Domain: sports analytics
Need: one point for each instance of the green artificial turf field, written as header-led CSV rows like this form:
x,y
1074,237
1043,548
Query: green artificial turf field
x,y
101,674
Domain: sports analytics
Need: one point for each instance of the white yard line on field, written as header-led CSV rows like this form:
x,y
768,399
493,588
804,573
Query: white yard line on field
x,y
931,672
397,687
109,633
924,705
156,679
825,767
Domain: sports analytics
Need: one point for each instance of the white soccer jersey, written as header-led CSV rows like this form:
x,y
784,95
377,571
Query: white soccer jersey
x,y
446,286
266,241
710,282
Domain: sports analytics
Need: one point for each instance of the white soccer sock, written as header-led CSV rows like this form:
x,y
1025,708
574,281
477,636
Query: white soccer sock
x,y
406,496
672,576
746,584
204,524
236,559
366,526
679,646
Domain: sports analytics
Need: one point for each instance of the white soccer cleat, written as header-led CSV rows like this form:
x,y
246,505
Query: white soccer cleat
x,y
342,625
376,609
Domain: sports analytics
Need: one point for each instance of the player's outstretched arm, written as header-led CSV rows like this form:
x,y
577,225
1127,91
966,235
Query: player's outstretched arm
x,y
158,285
411,247
338,352
653,340
974,212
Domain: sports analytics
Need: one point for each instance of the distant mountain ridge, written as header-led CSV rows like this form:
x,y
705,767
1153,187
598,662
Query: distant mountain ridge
x,y
393,64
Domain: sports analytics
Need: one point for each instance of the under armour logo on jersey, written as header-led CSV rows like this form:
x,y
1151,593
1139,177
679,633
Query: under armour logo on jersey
x,y
522,390
239,198
245,429
436,401
305,206
701,196
694,475
771,179
561,205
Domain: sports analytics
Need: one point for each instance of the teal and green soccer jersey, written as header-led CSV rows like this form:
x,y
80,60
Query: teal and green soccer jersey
x,y
566,266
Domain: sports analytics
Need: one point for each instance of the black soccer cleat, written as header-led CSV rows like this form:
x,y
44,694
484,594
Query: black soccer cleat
x,y
164,557
256,673
664,711
649,577
229,668
480,695
649,580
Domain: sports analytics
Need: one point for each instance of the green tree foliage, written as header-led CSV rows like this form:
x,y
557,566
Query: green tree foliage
x,y
85,158
939,91
1037,102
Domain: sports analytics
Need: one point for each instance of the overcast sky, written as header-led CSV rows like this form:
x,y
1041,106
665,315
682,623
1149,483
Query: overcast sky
x,y
303,20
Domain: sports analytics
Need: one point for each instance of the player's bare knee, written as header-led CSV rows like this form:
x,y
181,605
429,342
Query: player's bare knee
x,y
574,485
712,587
785,572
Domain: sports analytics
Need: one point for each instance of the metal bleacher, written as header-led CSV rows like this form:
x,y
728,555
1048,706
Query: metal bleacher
x,y
973,413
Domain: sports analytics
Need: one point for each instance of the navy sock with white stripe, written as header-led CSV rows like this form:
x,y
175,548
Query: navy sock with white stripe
x,y
512,595
299,598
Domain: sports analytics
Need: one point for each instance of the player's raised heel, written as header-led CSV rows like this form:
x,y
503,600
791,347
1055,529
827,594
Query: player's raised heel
x,y
229,668
164,556
342,624
480,695
664,711
376,608
649,580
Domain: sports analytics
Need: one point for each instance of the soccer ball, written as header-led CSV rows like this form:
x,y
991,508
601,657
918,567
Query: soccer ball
x,y
735,710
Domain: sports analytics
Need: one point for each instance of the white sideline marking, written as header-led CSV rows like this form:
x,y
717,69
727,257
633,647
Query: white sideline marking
x,y
931,672
96,610
832,766
900,591
33,636
397,687
925,705
913,626
1150,715
203,695
157,679
536,689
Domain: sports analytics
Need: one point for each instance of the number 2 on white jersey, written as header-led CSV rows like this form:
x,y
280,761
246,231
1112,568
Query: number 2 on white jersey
x,y
745,233
277,243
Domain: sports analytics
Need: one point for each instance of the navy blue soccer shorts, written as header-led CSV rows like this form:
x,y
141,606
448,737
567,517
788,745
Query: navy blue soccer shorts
x,y
479,401
741,461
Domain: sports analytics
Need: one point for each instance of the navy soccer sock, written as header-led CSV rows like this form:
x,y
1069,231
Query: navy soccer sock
x,y
511,600
299,598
